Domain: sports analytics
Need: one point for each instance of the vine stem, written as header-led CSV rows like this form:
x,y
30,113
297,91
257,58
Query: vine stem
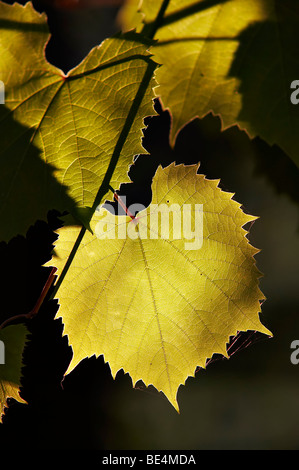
x,y
105,186
149,30
35,310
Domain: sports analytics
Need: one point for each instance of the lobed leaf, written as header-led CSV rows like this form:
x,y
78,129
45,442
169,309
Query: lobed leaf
x,y
236,58
152,303
62,134
12,343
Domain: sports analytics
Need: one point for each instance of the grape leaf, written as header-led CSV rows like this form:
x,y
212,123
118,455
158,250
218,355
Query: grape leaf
x,y
236,58
62,134
12,343
129,15
150,304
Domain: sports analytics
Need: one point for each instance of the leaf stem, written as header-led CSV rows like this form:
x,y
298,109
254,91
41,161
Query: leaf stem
x,y
38,304
122,204
105,185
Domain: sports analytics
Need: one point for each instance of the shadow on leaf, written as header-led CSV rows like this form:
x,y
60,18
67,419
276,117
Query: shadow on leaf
x,y
28,185
266,64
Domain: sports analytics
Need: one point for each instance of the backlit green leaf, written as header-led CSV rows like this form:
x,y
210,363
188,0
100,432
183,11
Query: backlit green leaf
x,y
236,58
61,134
159,304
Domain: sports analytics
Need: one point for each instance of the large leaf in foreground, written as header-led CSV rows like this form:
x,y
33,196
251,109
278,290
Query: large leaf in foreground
x,y
153,306
236,58
59,133
12,344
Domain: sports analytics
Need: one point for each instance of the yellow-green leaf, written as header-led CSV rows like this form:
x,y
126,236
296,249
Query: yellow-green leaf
x,y
62,134
12,342
159,307
236,58
130,16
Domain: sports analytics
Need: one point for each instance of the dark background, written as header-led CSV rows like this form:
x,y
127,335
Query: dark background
x,y
250,401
